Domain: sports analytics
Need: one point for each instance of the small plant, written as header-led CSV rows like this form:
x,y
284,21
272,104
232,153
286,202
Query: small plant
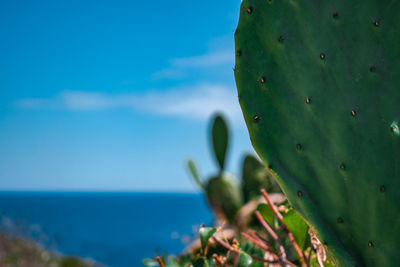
x,y
275,234
283,238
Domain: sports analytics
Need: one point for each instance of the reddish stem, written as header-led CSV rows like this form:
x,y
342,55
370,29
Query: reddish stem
x,y
272,205
266,226
272,234
230,248
160,262
280,218
223,243
256,242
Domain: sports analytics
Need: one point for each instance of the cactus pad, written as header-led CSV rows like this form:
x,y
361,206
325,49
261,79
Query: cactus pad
x,y
318,82
224,196
256,177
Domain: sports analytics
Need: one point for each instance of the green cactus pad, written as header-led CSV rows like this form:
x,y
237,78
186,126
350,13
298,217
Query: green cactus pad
x,y
219,139
256,177
194,173
224,196
318,82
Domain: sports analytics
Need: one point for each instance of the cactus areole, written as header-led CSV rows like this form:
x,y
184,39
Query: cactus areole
x,y
319,86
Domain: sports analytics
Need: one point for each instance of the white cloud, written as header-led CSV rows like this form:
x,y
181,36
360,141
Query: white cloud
x,y
198,101
179,67
207,60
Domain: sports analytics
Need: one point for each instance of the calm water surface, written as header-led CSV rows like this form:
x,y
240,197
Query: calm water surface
x,y
116,229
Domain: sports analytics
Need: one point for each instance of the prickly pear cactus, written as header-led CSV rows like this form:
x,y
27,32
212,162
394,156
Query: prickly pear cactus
x,y
255,177
222,191
318,82
225,197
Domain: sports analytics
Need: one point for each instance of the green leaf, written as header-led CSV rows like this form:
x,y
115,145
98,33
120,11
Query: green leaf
x,y
244,259
149,262
195,173
266,213
200,262
219,137
298,227
205,234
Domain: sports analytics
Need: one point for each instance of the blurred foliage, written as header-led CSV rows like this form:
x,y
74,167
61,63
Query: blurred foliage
x,y
18,252
240,239
225,194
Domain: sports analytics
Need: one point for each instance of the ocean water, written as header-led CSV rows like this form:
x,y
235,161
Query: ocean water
x,y
116,229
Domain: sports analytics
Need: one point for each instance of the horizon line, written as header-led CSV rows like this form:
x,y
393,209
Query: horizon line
x,y
99,191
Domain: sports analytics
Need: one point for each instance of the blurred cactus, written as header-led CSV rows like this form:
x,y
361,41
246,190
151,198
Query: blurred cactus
x,y
224,196
220,140
273,233
195,174
223,192
255,177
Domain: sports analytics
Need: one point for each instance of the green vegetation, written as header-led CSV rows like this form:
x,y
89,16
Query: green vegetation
x,y
17,252
259,230
318,86
225,195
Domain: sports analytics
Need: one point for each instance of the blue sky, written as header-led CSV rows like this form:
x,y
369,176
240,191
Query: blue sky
x,y
114,95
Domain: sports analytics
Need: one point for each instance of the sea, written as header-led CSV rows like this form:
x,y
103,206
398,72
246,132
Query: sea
x,y
114,229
